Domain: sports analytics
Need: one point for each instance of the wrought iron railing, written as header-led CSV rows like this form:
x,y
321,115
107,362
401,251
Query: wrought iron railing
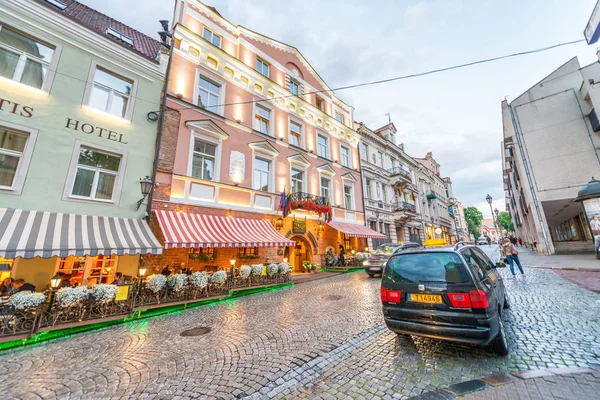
x,y
302,196
400,171
404,206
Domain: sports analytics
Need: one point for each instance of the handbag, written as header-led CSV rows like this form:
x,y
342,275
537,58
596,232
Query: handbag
x,y
514,252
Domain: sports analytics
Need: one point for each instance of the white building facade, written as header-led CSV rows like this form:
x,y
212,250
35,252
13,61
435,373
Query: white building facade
x,y
551,137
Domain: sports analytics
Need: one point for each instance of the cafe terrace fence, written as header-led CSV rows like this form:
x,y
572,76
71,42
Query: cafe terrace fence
x,y
17,324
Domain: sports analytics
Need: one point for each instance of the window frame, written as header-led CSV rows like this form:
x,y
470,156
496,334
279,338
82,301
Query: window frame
x,y
327,145
297,84
365,148
119,73
352,199
204,155
301,141
213,34
349,164
264,64
336,113
369,190
25,158
380,157
329,187
219,148
52,65
270,130
298,169
118,187
319,99
271,161
220,110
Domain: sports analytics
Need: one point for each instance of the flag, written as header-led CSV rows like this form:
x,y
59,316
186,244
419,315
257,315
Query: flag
x,y
328,215
400,190
288,206
411,197
283,202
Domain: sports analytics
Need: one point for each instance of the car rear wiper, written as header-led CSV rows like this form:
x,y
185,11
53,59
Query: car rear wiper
x,y
432,281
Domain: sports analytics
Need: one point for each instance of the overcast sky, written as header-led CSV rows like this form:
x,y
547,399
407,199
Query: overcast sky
x,y
455,114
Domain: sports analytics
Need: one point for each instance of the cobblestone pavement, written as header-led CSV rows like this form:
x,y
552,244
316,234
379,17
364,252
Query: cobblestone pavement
x,y
292,343
580,387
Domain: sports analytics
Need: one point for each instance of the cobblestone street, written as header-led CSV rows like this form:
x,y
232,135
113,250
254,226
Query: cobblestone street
x,y
299,343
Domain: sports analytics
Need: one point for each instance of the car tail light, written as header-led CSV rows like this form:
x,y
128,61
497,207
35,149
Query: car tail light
x,y
478,299
390,296
460,300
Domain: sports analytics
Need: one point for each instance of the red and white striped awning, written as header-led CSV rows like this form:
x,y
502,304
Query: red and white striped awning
x,y
355,230
198,230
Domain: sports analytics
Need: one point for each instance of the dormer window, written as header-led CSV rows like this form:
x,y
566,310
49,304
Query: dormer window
x,y
211,37
294,87
57,3
120,36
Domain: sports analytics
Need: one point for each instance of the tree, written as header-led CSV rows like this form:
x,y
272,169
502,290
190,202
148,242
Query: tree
x,y
473,217
505,222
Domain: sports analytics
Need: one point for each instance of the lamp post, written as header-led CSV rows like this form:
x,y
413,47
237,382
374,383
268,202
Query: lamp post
x,y
146,187
489,199
497,220
589,197
55,281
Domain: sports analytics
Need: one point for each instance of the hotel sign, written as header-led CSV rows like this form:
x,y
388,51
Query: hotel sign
x,y
592,30
96,130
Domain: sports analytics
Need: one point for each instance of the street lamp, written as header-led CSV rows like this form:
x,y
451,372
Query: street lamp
x,y
489,199
142,270
55,281
589,197
232,261
146,187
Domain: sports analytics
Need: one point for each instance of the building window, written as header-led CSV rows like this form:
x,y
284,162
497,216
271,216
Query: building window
x,y
368,188
349,197
347,243
203,160
385,193
294,87
295,136
24,59
325,187
120,36
320,103
262,67
12,150
380,159
96,174
297,180
110,93
393,162
208,94
339,117
74,266
262,119
211,37
247,252
364,151
103,269
345,156
262,175
322,146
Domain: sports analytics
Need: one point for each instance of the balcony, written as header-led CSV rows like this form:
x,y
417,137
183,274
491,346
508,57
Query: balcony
x,y
401,172
378,204
405,206
301,196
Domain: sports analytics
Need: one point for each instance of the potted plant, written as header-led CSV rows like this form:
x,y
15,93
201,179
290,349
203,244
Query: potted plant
x,y
308,266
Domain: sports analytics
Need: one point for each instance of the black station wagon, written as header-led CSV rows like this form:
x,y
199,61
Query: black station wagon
x,y
450,293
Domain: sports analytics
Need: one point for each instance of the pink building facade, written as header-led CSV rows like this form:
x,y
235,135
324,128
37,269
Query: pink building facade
x,y
248,118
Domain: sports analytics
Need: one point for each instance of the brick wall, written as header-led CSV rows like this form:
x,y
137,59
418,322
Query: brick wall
x,y
168,142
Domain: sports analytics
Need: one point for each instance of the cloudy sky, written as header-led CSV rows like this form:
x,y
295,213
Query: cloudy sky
x,y
455,114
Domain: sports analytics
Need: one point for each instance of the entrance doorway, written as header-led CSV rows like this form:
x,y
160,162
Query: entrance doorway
x,y
300,253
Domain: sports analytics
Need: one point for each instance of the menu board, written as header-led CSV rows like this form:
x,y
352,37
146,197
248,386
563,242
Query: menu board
x,y
592,210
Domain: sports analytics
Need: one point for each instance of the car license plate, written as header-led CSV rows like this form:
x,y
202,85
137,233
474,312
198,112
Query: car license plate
x,y
425,298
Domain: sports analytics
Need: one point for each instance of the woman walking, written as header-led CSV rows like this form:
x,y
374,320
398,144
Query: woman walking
x,y
512,255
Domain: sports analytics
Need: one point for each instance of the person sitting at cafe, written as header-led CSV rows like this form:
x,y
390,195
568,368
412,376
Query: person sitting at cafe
x,y
19,285
65,280
6,287
119,279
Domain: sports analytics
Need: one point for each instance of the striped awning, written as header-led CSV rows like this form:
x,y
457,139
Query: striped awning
x,y
199,230
355,230
29,234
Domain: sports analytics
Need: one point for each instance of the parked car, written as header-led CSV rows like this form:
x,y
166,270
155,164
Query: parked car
x,y
451,293
482,240
374,264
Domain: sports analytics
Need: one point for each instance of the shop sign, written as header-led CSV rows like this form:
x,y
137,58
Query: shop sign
x,y
16,108
299,226
97,130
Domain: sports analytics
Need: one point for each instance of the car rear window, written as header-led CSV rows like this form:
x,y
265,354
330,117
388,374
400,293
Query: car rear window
x,y
426,267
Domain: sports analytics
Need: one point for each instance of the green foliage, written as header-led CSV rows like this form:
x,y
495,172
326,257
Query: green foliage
x,y
473,217
505,222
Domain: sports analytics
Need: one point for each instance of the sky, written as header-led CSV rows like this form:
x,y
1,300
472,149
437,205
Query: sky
x,y
456,114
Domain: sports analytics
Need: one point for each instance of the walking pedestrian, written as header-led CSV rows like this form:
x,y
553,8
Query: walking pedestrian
x,y
520,241
489,241
512,255
341,255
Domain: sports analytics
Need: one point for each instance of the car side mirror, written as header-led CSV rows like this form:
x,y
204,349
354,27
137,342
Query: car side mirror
x,y
496,265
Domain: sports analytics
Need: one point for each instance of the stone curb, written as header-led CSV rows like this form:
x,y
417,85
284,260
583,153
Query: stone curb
x,y
316,278
474,385
592,269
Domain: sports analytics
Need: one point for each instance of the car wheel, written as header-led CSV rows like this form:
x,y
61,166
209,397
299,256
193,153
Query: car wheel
x,y
506,303
500,342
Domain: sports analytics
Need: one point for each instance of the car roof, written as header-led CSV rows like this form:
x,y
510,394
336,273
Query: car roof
x,y
440,249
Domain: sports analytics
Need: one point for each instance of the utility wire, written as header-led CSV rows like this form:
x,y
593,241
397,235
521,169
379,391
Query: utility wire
x,y
363,84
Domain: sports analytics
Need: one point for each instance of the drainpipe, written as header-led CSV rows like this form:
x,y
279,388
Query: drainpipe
x,y
529,178
162,116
